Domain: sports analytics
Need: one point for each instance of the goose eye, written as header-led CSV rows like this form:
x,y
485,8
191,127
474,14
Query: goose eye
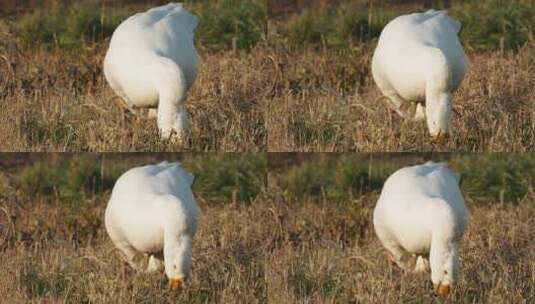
x,y
445,272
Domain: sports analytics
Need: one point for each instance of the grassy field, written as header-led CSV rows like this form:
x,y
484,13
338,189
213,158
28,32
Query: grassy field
x,y
54,96
326,99
280,75
279,244
328,102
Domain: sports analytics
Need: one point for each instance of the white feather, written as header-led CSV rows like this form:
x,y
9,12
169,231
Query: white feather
x,y
420,214
419,57
152,212
152,62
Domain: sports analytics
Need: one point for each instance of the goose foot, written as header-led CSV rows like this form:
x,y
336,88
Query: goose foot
x,y
422,265
419,114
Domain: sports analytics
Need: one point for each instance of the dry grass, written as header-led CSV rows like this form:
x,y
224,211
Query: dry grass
x,y
59,101
272,250
278,96
327,101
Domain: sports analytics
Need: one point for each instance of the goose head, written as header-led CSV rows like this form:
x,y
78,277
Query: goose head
x,y
176,284
177,260
438,117
175,272
445,271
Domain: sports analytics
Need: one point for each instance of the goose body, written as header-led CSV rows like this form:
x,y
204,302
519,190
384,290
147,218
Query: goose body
x,y
152,63
420,218
152,217
419,58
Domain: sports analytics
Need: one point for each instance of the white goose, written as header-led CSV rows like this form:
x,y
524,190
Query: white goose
x,y
152,215
152,62
420,214
419,58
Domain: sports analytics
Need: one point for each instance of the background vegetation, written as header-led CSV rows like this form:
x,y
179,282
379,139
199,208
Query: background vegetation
x,y
486,25
66,24
499,177
280,243
77,178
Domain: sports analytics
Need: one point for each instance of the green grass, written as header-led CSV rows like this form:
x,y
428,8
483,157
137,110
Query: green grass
x,y
487,25
76,179
223,26
220,178
228,24
496,24
71,178
500,177
224,177
336,178
339,27
70,26
231,23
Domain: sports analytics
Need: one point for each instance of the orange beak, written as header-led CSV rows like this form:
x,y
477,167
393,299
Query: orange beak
x,y
176,284
443,290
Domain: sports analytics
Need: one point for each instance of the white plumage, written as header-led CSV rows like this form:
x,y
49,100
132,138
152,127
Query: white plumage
x,y
152,62
419,58
152,216
420,218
